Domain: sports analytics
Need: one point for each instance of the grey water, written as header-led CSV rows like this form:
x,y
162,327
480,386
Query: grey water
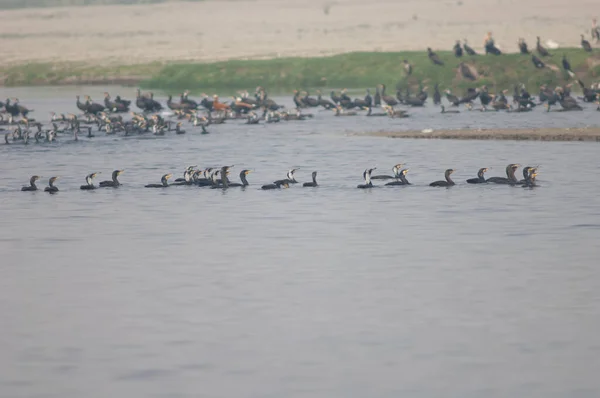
x,y
472,291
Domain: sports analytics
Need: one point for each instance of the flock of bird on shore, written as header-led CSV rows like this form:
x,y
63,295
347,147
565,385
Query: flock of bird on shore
x,y
218,178
154,117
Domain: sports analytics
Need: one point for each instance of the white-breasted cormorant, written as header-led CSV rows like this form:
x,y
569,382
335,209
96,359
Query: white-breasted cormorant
x,y
401,179
314,181
407,68
164,182
367,178
395,171
32,186
89,185
51,188
290,179
480,177
114,182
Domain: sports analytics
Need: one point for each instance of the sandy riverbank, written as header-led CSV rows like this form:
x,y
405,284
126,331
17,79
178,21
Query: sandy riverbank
x,y
538,134
218,30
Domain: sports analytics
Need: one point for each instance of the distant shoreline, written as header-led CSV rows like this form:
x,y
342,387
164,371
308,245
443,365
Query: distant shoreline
x,y
529,134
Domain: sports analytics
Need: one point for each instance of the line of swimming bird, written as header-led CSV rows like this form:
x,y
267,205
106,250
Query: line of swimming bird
x,y
218,179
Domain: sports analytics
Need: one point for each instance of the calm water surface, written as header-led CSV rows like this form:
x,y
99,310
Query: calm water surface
x,y
473,291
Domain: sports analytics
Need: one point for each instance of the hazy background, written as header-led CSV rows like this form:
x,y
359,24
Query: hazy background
x,y
218,30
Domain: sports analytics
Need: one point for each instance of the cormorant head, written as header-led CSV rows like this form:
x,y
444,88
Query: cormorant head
x,y
314,175
51,180
167,176
404,171
450,171
34,179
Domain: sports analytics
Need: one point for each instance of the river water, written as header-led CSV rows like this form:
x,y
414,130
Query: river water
x,y
473,291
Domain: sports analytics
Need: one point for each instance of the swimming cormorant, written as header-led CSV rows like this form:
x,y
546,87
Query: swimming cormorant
x,y
480,177
114,182
314,181
510,175
244,182
275,185
290,179
367,177
51,188
164,182
401,179
88,180
447,183
32,186
223,183
395,170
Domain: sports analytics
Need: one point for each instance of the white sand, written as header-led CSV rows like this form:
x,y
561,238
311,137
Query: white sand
x,y
217,30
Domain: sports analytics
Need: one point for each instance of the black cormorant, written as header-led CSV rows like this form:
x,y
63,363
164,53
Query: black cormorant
x,y
164,182
89,185
468,48
314,181
434,57
465,71
51,188
244,182
275,186
114,182
458,51
523,46
480,177
537,62
444,183
510,175
32,186
540,49
437,97
586,44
